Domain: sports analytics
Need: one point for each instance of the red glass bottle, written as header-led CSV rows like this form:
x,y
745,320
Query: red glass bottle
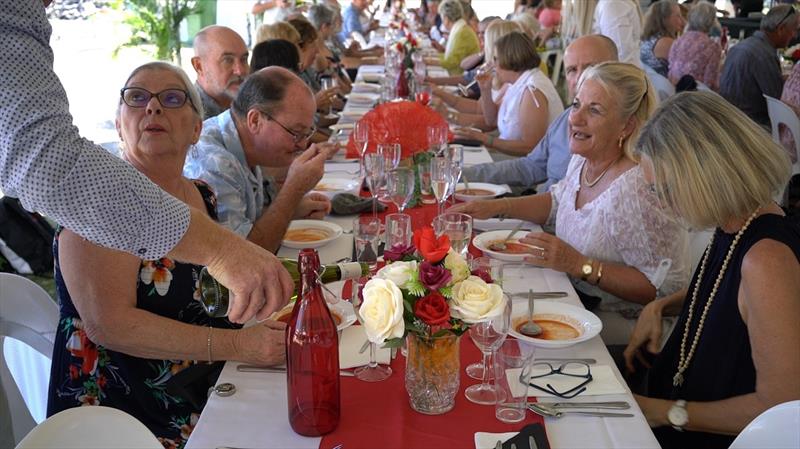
x,y
312,356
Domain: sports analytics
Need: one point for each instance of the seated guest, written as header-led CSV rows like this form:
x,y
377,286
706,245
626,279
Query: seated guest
x,y
733,353
751,67
325,19
271,11
269,122
618,246
462,40
694,52
791,96
278,30
662,24
529,25
549,13
547,162
351,20
275,52
116,309
220,60
529,105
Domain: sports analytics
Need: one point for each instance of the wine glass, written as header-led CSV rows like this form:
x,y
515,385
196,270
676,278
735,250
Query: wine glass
x,y
329,82
361,139
494,268
400,187
374,173
372,371
391,159
437,136
457,227
455,153
440,180
488,335
424,171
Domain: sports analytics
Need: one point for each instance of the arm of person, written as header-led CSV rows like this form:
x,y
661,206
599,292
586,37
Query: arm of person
x,y
769,304
262,5
661,49
649,328
102,284
445,80
533,113
534,208
457,102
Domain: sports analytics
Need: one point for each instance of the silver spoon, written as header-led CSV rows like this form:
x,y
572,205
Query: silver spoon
x,y
530,328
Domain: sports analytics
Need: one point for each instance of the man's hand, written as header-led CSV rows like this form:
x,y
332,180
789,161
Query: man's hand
x,y
306,171
314,206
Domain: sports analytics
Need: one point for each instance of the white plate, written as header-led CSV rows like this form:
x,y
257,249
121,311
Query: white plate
x,y
366,87
482,242
334,232
341,126
587,323
353,114
331,186
363,97
495,189
372,77
342,308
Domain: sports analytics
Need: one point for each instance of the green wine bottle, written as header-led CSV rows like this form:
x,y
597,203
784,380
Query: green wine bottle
x,y
215,297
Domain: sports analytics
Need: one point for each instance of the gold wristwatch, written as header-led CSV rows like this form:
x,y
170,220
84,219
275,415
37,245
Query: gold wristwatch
x,y
586,269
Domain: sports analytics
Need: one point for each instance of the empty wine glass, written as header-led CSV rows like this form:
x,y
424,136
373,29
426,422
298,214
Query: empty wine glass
x,y
424,171
437,136
361,139
329,82
455,153
488,336
372,372
367,236
392,153
400,187
374,173
441,178
457,227
494,268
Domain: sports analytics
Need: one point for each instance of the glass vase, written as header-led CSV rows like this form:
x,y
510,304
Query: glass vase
x,y
432,372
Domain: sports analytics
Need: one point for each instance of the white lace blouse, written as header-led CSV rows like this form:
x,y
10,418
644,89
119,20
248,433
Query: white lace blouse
x,y
508,116
625,224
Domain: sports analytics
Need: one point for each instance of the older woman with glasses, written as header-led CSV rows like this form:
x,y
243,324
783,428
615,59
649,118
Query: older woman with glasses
x,y
116,309
733,353
612,238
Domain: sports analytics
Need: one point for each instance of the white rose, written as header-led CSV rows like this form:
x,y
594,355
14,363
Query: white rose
x,y
457,265
382,310
474,300
398,272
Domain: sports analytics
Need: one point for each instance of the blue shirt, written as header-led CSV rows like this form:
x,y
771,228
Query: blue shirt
x,y
218,159
351,22
546,163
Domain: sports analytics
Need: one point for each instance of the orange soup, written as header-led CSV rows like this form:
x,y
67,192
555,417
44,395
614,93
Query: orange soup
x,y
306,234
512,247
551,329
475,192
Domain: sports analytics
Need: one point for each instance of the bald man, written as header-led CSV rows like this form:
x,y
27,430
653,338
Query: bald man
x,y
547,162
221,64
268,124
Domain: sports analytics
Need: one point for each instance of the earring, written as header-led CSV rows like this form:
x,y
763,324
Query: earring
x,y
621,139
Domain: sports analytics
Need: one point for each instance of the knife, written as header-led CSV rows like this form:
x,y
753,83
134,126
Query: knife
x,y
541,295
277,369
620,405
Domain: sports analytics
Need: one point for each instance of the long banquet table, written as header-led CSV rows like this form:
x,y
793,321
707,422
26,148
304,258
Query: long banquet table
x,y
256,415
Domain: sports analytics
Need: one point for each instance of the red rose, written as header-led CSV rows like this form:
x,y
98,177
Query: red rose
x,y
796,54
432,249
432,309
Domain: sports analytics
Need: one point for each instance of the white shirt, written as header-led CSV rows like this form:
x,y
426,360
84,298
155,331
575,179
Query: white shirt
x,y
52,169
508,116
619,20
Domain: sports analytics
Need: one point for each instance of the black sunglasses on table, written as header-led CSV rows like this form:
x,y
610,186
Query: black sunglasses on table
x,y
571,369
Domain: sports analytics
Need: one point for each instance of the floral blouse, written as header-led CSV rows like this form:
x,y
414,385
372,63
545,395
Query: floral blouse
x,y
84,373
694,53
646,53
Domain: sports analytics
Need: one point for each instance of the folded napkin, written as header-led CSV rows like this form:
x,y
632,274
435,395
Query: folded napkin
x,y
486,440
603,382
493,224
353,337
349,204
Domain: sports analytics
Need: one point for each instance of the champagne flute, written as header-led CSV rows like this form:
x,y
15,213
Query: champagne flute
x,y
374,167
488,336
361,139
440,180
391,159
329,82
455,153
400,187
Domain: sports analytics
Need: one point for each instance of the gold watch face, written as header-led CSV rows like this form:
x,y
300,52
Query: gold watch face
x,y
587,269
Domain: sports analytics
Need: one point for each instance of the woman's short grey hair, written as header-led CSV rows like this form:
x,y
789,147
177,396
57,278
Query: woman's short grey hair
x,y
711,162
194,97
451,10
320,15
702,17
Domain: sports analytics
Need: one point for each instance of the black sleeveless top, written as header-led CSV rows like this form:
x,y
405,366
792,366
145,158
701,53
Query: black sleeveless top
x,y
722,365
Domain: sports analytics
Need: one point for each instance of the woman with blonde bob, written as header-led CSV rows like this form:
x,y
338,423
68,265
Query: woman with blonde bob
x,y
733,353
612,237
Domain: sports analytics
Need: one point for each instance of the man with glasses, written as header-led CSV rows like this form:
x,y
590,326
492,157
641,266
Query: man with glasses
x,y
269,123
752,69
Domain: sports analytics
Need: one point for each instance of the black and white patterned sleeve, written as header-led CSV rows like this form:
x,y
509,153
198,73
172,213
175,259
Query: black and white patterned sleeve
x,y
51,169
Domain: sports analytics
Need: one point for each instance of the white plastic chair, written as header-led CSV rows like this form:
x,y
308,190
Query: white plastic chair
x,y
776,428
780,112
664,88
91,427
27,315
558,62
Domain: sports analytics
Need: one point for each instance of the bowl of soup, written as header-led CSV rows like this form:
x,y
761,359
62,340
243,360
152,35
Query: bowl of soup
x,y
480,191
342,312
562,324
492,242
310,234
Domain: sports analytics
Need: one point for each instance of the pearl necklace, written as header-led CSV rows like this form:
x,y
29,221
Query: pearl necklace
x,y
684,361
586,182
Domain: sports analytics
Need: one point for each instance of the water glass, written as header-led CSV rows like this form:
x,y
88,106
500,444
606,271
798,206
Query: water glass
x,y
392,152
326,83
424,172
367,236
512,376
488,336
398,230
458,227
400,187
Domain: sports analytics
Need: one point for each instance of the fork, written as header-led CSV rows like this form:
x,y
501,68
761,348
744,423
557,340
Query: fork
x,y
558,414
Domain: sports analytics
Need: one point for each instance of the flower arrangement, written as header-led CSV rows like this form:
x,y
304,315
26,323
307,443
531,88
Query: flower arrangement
x,y
792,53
426,289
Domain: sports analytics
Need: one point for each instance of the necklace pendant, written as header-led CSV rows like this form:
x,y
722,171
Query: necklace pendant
x,y
677,381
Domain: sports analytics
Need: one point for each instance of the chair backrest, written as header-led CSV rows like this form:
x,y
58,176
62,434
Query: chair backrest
x,y
558,62
778,427
91,427
664,88
28,315
781,113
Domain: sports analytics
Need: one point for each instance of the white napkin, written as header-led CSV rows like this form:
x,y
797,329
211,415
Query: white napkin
x,y
494,224
353,337
488,440
603,382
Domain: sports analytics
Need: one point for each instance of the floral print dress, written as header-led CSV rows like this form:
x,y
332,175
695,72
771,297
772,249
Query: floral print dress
x,y
84,373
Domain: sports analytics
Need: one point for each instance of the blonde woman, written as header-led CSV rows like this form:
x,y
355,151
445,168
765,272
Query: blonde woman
x,y
612,237
733,353
620,20
278,30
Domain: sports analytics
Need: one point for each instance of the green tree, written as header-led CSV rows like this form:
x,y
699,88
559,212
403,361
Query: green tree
x,y
157,22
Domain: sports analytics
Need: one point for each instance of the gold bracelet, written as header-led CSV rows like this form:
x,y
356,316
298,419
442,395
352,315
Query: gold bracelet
x,y
599,274
208,344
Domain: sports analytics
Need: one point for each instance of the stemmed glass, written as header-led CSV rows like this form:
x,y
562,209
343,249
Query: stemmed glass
x,y
391,159
441,178
329,83
457,227
488,336
437,137
361,139
400,187
493,268
374,173
455,153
